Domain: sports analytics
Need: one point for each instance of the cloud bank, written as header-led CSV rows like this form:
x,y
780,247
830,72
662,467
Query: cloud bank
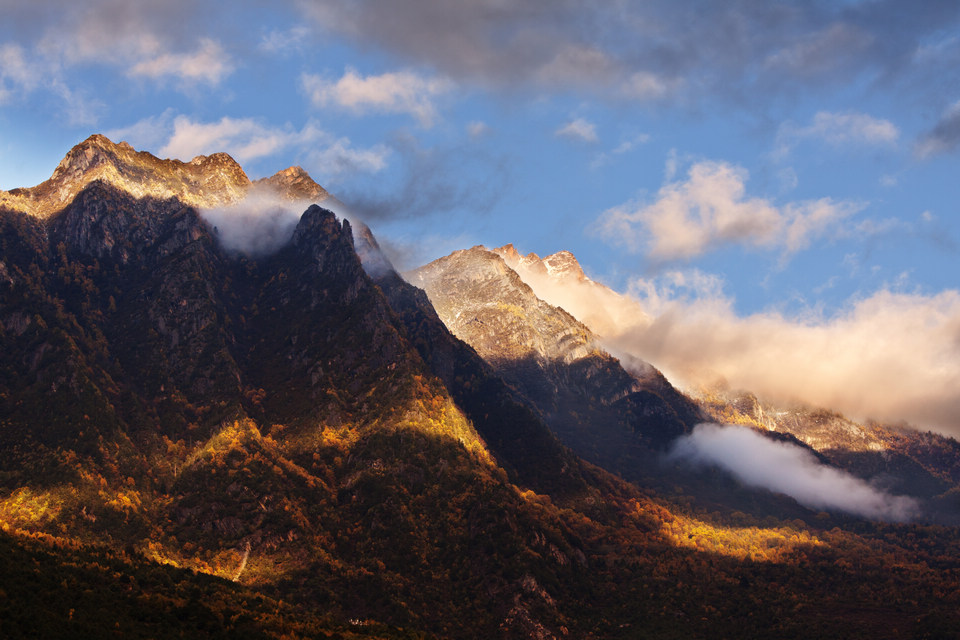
x,y
638,51
889,356
259,225
785,468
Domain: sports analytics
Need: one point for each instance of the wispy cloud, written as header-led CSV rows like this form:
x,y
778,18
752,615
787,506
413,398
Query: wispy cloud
x,y
785,468
243,138
397,92
328,157
578,129
838,130
710,209
429,181
209,64
943,137
478,129
284,42
624,147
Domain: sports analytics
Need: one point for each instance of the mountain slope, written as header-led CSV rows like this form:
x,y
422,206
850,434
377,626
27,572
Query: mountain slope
x,y
607,415
900,460
268,418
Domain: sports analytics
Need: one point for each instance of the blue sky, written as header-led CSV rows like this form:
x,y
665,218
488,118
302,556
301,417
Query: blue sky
x,y
797,158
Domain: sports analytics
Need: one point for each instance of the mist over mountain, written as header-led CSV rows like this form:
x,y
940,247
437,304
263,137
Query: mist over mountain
x,y
621,420
867,360
213,428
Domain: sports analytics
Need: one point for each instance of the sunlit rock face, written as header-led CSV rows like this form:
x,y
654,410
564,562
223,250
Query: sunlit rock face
x,y
485,303
559,280
587,397
203,182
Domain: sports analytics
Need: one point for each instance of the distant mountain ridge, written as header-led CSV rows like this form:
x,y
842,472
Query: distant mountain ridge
x,y
204,182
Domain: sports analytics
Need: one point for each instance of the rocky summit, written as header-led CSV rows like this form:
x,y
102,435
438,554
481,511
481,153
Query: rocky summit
x,y
201,442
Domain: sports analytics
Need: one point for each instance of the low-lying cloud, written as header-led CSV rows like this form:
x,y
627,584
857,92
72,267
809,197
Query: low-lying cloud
x,y
890,356
258,225
785,468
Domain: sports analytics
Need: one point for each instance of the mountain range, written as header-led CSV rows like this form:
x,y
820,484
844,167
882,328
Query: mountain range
x,y
200,438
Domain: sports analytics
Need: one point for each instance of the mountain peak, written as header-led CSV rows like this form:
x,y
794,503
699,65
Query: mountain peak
x,y
294,183
205,181
563,264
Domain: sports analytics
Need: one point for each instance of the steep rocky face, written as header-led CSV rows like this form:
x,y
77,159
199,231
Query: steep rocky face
x,y
160,394
295,184
510,427
593,404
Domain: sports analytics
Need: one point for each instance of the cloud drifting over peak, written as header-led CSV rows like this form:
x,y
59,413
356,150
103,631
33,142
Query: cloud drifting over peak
x,y
889,356
711,209
258,225
785,468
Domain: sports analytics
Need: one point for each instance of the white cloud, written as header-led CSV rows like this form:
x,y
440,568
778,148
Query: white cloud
x,y
338,158
22,73
285,42
16,71
151,132
260,224
243,138
839,130
643,85
329,158
397,92
786,468
710,208
478,129
208,64
626,146
890,356
578,129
